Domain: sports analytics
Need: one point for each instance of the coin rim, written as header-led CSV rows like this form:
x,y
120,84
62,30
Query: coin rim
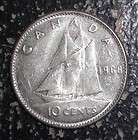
x,y
39,116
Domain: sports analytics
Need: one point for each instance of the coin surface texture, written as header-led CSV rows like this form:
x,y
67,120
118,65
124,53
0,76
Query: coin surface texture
x,y
69,69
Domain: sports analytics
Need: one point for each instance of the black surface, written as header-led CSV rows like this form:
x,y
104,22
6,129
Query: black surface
x,y
16,123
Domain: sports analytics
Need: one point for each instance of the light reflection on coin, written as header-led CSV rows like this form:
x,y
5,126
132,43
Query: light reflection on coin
x,y
74,71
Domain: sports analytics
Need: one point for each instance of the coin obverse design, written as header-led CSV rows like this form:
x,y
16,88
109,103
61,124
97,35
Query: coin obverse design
x,y
69,69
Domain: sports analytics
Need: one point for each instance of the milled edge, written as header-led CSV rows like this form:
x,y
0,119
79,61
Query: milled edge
x,y
60,124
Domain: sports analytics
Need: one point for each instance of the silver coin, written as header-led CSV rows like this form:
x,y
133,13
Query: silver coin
x,y
69,69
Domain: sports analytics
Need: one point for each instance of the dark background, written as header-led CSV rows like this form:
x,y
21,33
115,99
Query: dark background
x,y
122,121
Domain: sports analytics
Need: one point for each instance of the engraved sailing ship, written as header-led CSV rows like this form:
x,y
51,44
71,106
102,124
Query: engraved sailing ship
x,y
72,72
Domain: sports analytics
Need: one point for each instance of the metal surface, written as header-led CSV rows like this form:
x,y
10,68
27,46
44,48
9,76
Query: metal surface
x,y
69,69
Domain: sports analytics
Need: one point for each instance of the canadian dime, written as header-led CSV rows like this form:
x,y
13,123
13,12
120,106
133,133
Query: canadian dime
x,y
69,69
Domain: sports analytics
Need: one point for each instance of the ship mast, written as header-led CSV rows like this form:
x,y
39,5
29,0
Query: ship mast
x,y
63,67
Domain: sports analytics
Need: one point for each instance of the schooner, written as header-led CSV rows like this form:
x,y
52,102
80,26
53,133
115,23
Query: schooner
x,y
72,72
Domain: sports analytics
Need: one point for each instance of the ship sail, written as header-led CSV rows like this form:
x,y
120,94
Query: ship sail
x,y
72,72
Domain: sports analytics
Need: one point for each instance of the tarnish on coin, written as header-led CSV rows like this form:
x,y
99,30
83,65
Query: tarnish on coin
x,y
69,69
